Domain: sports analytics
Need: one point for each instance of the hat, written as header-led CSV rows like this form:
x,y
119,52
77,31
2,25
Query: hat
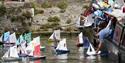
x,y
89,20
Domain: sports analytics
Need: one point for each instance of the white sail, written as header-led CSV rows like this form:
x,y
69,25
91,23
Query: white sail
x,y
6,55
1,38
91,50
13,52
52,37
37,41
12,38
55,35
62,45
30,48
23,47
81,38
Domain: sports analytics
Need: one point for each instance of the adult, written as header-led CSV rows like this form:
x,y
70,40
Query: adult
x,y
102,35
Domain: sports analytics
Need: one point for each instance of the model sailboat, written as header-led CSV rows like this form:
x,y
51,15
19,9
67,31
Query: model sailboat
x,y
80,40
91,50
56,35
54,38
32,51
11,54
62,47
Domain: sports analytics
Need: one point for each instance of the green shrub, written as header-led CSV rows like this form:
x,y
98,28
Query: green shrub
x,y
2,10
68,29
13,19
46,4
62,10
35,5
39,11
68,21
54,24
27,14
54,19
28,5
62,4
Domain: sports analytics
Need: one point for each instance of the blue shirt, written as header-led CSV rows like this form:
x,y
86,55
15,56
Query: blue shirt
x,y
104,33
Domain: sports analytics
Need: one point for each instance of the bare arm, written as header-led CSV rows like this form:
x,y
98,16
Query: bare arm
x,y
99,47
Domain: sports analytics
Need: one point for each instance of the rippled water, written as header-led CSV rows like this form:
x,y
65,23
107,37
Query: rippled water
x,y
75,56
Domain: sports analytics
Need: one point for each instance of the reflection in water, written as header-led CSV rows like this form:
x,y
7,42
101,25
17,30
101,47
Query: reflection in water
x,y
91,57
26,61
62,56
81,54
10,62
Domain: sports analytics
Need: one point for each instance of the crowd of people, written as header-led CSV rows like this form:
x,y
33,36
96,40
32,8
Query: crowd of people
x,y
94,22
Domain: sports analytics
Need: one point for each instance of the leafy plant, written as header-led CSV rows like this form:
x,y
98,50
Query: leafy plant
x,y
13,19
2,10
54,19
37,11
62,4
27,14
68,21
46,4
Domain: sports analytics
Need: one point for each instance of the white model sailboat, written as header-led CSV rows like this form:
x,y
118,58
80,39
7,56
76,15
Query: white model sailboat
x,y
32,51
35,45
55,35
80,40
91,50
54,38
62,47
11,54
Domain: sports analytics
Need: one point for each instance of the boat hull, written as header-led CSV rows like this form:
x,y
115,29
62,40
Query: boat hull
x,y
58,52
